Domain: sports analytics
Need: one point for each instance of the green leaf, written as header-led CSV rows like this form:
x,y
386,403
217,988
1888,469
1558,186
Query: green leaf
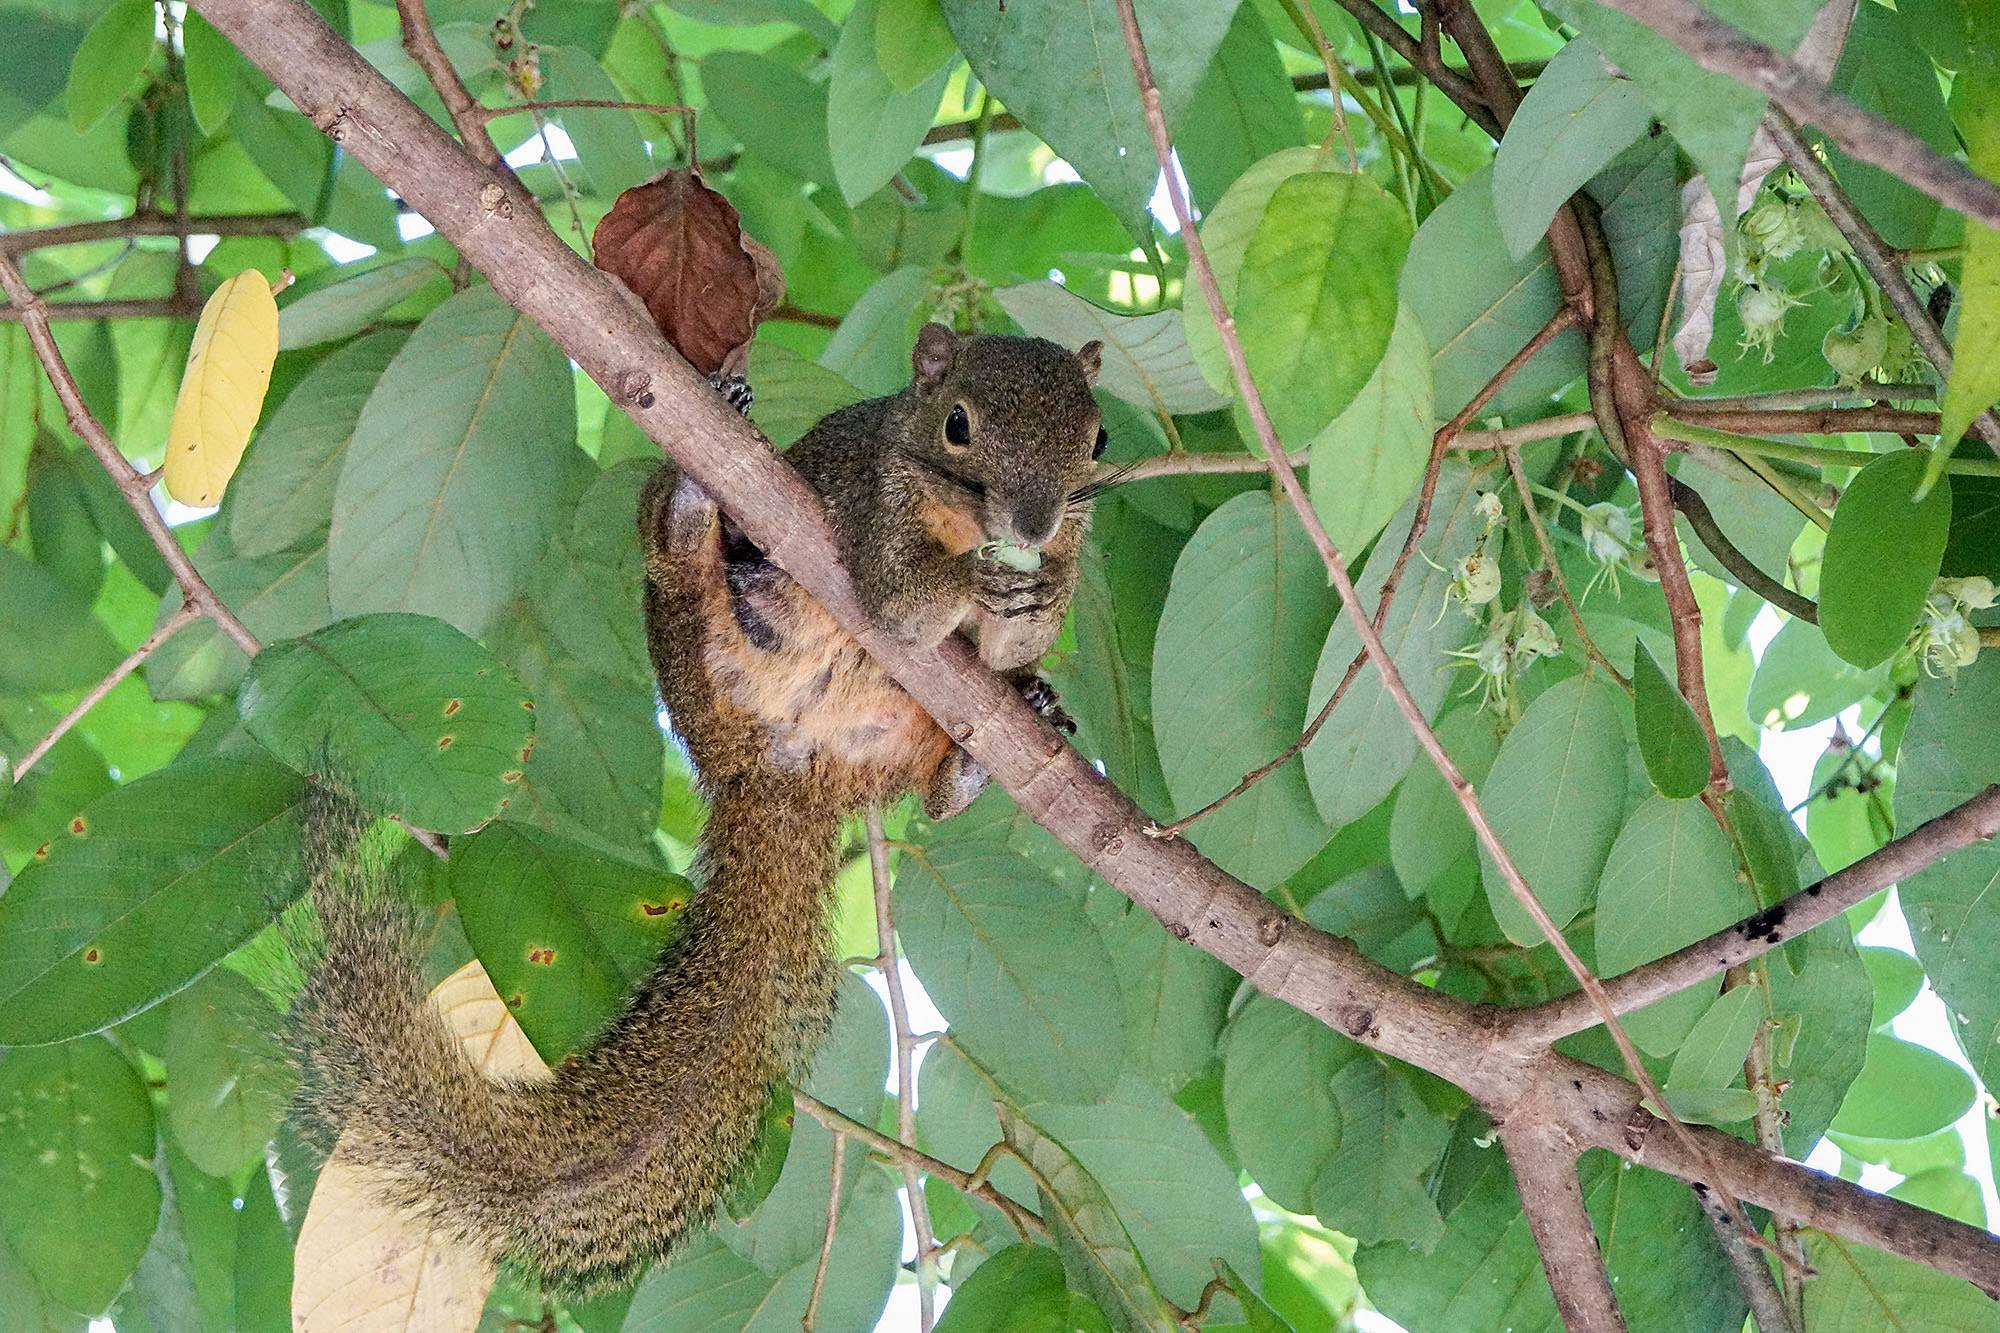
x,y
1062,68
229,1082
1478,308
911,41
1905,1091
777,113
872,126
848,1074
1975,367
276,596
710,1286
1244,110
1670,1275
1018,1290
766,1164
1896,977
1175,998
793,393
1146,359
1243,624
1711,115
1670,736
78,1198
1367,745
609,149
1712,1056
147,887
1096,1250
1370,458
213,71
1277,1086
352,304
114,54
1578,116
1428,831
444,501
1316,296
564,932
1670,880
1950,751
1711,1106
283,492
1173,1194
1015,965
428,726
1829,997
1884,69
1882,555
1374,1188
1555,796
49,640
1226,231
871,348
1859,1288
1799,681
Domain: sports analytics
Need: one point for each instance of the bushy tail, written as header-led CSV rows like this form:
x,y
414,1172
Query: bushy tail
x,y
592,1175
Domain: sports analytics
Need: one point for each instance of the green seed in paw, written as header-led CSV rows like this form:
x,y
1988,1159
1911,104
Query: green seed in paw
x,y
1023,558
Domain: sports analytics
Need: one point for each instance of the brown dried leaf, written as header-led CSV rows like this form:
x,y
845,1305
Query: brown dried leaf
x,y
680,247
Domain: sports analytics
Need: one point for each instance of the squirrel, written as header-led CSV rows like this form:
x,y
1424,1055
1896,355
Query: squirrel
x,y
586,1179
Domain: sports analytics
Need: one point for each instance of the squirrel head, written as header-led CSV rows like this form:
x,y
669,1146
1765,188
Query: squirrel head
x,y
1005,426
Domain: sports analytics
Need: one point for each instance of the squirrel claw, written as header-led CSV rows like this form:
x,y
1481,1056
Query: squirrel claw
x,y
1041,696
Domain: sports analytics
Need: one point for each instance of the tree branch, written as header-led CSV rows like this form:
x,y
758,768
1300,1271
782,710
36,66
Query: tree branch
x,y
1723,48
164,307
1544,1166
1975,821
1327,977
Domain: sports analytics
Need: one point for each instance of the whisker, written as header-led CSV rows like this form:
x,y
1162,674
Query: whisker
x,y
1095,487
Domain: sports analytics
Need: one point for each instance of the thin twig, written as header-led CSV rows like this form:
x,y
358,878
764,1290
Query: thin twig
x,y
973,1183
467,115
1740,566
1869,390
485,114
1875,256
1808,420
16,243
906,1061
159,307
1527,495
1753,1275
181,617
1701,432
1513,437
85,425
811,1316
1559,323
1773,1311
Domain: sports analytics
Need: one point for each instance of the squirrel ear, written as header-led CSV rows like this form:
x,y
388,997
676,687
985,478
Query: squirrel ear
x,y
932,356
1091,357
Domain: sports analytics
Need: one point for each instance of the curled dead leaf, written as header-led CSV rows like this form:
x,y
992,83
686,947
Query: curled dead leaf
x,y
679,246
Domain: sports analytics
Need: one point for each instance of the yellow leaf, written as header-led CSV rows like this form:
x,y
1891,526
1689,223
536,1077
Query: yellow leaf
x,y
362,1267
228,369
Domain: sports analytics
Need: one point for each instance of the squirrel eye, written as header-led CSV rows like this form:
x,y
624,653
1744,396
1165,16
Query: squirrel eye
x,y
958,426
1097,450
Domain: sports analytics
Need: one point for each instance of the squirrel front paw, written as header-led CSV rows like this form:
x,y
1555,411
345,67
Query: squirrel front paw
x,y
1007,592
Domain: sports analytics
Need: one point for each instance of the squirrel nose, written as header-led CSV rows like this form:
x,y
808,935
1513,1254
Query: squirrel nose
x,y
1032,520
